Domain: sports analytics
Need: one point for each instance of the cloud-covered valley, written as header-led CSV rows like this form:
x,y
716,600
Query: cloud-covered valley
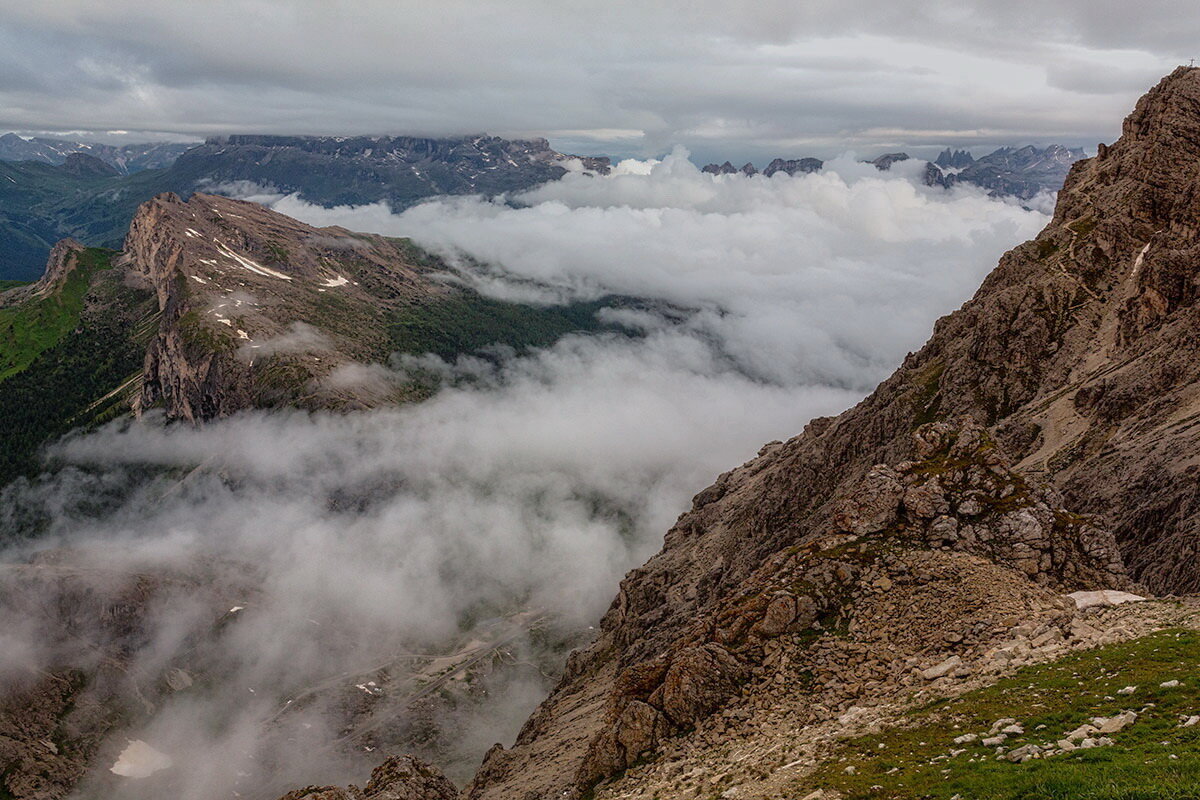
x,y
527,483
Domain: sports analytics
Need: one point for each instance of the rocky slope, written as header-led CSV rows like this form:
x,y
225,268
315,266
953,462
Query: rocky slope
x,y
1076,358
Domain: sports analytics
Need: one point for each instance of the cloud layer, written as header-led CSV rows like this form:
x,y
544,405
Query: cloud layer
x,y
537,482
734,79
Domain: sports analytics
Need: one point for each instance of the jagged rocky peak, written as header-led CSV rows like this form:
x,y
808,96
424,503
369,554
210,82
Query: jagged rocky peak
x,y
258,307
1042,441
954,159
729,169
793,166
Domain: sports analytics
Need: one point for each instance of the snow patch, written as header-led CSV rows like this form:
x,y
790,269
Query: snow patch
x,y
1103,597
338,281
140,760
250,264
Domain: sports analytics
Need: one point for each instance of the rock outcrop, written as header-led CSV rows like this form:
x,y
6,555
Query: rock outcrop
x,y
398,778
1077,357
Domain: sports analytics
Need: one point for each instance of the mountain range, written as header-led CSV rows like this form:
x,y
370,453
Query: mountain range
x,y
977,582
1022,172
85,198
124,159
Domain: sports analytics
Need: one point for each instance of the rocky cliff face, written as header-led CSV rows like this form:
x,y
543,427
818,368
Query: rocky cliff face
x,y
1068,384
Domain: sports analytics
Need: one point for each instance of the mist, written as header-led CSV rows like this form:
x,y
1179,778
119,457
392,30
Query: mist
x,y
505,508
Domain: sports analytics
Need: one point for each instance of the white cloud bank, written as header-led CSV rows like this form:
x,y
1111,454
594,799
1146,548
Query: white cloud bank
x,y
539,483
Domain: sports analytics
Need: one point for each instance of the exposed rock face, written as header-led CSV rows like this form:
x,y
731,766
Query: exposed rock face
x,y
398,778
232,279
1077,357
954,159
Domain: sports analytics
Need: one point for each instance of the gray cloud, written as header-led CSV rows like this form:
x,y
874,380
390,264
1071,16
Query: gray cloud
x,y
744,79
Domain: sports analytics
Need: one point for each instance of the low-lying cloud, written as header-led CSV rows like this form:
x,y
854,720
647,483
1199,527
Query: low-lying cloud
x,y
537,482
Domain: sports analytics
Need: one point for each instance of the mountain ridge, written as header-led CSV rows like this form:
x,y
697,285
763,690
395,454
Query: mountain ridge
x,y
41,202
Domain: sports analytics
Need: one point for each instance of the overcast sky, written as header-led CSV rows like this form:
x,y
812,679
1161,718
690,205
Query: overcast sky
x,y
727,78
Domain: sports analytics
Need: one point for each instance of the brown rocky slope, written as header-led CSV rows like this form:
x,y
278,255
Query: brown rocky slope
x,y
1077,358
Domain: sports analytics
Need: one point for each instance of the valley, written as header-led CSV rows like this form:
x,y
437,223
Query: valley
x,y
459,467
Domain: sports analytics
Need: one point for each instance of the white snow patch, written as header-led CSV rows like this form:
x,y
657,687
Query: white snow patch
x,y
236,609
224,321
198,279
1137,262
243,335
192,233
140,760
250,264
338,281
1103,597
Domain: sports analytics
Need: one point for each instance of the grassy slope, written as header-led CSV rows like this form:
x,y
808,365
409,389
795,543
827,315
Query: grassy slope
x,y
41,204
26,330
467,322
63,362
1061,696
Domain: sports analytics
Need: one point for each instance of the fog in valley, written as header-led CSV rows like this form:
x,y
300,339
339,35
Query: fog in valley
x,y
500,513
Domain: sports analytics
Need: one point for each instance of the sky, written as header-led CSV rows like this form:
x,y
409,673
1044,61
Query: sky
x,y
728,79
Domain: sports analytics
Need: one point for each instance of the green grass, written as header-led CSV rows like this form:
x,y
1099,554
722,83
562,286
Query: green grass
x,y
32,327
1061,696
6,285
85,356
467,322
